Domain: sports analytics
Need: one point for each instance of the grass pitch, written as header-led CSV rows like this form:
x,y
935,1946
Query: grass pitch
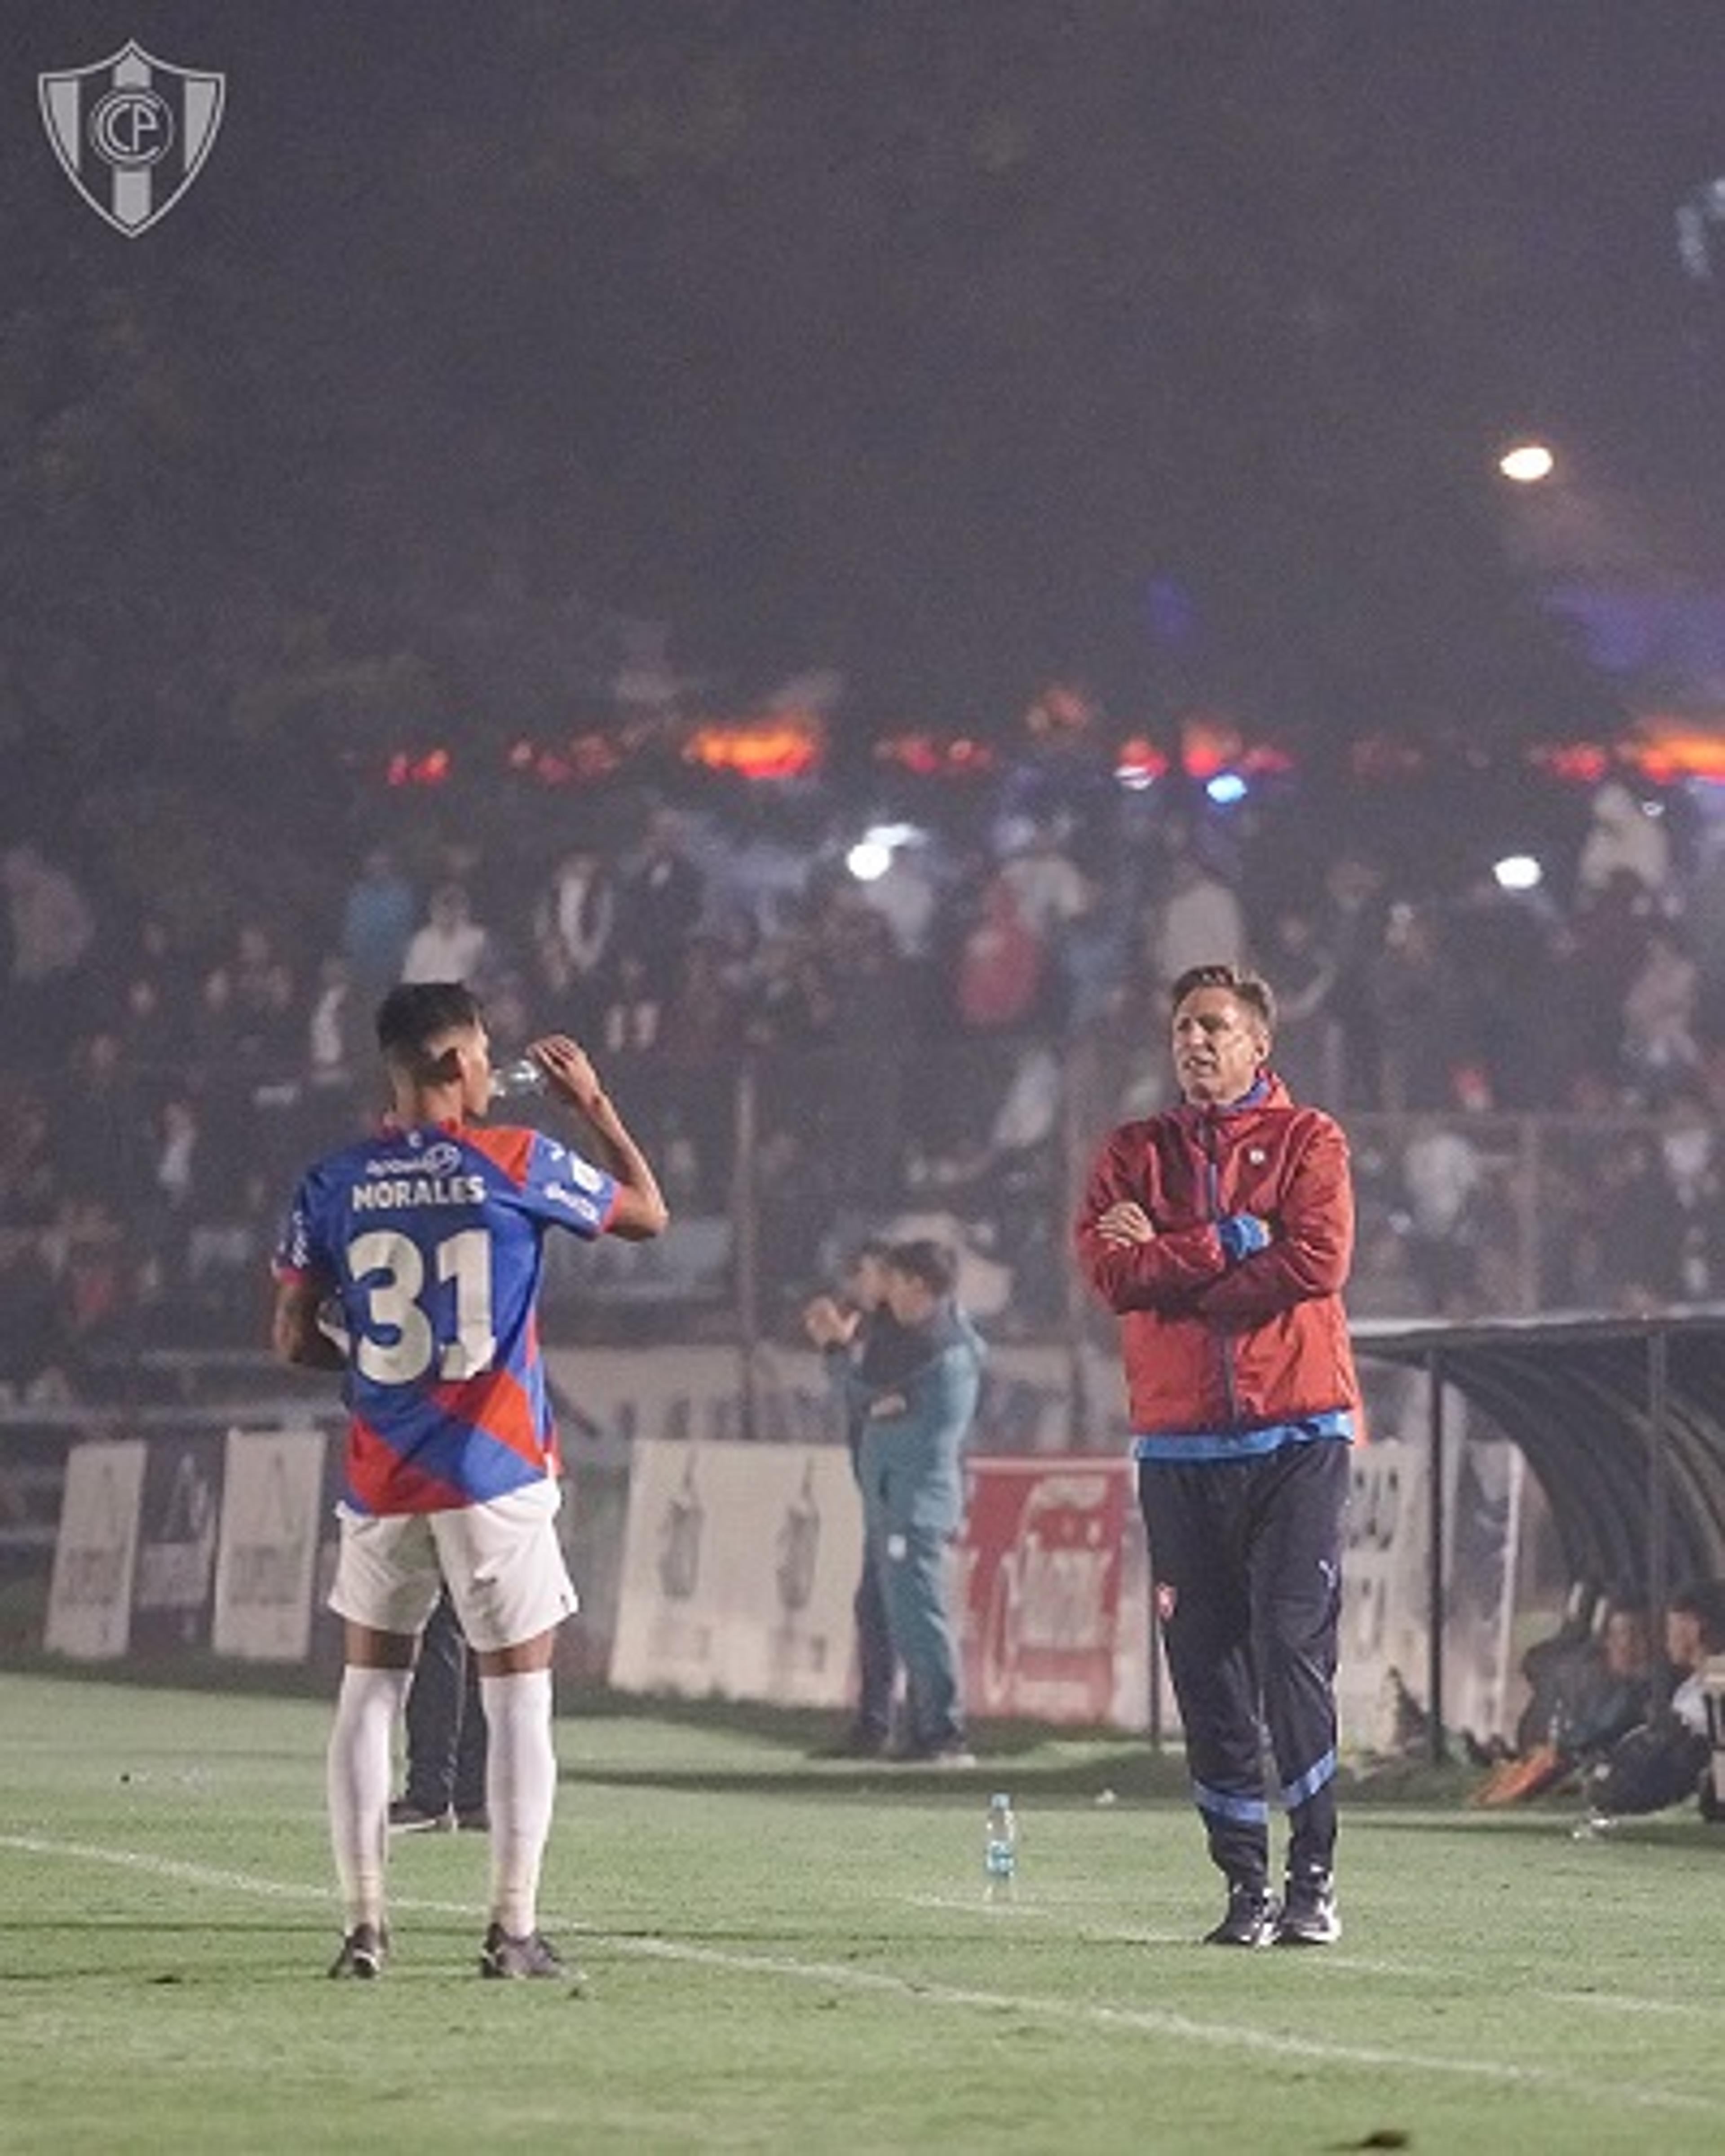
x,y
787,1957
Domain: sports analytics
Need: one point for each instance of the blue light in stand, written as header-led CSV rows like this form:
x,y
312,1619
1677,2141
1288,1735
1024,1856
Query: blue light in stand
x,y
1225,788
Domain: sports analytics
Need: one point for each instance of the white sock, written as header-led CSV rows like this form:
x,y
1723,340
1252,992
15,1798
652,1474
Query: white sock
x,y
365,1710
521,1785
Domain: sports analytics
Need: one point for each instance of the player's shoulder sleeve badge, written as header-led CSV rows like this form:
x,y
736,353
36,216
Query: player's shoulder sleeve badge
x,y
569,1166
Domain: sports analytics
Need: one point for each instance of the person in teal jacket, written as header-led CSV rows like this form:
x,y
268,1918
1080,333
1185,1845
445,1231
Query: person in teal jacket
x,y
909,1464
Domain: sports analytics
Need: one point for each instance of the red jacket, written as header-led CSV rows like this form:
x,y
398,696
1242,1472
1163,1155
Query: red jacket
x,y
1214,1344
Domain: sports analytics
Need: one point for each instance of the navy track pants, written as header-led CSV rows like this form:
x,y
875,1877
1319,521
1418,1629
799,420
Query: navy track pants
x,y
1246,1556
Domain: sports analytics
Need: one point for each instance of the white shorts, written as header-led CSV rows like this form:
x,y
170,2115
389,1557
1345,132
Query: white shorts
x,y
501,1559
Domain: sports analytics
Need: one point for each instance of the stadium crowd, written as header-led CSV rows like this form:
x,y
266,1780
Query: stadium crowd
x,y
919,1015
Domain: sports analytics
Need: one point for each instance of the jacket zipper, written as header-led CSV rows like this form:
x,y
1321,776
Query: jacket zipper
x,y
1212,1194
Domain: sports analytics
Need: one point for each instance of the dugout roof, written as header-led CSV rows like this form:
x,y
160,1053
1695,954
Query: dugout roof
x,y
1622,1421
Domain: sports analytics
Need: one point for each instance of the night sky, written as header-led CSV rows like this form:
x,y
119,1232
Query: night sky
x,y
951,345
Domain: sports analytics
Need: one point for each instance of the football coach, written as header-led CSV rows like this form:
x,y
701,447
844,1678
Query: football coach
x,y
1220,1232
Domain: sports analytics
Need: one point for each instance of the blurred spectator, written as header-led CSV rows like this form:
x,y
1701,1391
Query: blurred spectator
x,y
630,1012
509,1014
1043,878
98,1122
1549,1055
31,1332
1611,931
736,942
378,915
574,925
178,1178
29,1181
1416,1000
1009,1186
1661,1005
338,1034
907,899
701,1031
1703,913
1350,923
216,1020
757,865
1063,771
149,1038
50,930
1028,1121
1622,840
97,1278
702,1020
1001,962
225,1286
1441,1171
871,1000
1506,991
1635,1255
1092,958
158,955
1566,1244
450,945
1688,1148
265,998
661,900
1304,974
1198,921
792,1006
872,1003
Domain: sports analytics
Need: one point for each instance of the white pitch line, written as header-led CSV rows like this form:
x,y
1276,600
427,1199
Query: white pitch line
x,y
1618,2002
843,1976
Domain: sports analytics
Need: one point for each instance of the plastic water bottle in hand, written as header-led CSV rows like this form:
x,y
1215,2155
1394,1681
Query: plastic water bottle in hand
x,y
1000,1849
521,1080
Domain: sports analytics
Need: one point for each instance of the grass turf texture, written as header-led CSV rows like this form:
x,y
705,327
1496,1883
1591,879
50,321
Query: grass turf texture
x,y
785,1956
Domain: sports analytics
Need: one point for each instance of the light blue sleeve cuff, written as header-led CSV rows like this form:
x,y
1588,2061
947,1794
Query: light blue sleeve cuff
x,y
1240,1234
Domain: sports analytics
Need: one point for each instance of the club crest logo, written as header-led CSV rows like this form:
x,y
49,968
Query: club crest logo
x,y
131,132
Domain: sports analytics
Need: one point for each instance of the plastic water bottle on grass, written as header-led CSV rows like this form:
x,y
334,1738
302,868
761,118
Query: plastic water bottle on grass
x,y
1000,1849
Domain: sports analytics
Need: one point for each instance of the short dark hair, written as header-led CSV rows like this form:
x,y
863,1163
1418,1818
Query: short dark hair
x,y
412,1016
931,1263
1243,985
1704,1599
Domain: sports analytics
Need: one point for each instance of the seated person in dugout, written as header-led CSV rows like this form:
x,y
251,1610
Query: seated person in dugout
x,y
1669,1758
1554,1666
1591,1695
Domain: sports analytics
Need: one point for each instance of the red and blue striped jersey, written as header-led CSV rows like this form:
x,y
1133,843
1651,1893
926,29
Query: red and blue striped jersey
x,y
431,1241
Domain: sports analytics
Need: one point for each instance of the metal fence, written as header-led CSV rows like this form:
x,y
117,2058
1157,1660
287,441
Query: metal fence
x,y
774,1173
775,1164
